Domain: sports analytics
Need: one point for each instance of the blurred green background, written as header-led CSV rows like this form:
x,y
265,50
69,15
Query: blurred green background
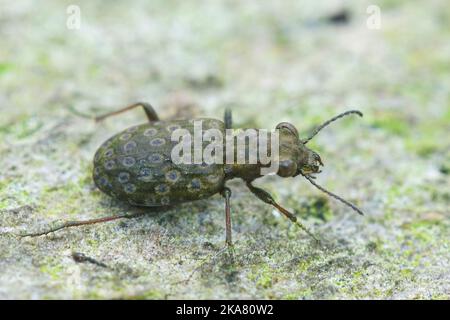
x,y
270,61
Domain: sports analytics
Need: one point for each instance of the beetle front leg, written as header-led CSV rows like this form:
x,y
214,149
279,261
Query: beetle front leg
x,y
149,111
226,193
267,198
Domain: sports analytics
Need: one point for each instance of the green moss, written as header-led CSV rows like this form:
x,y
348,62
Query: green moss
x,y
305,293
151,294
290,296
376,245
427,139
440,296
395,194
422,230
391,123
406,273
23,127
53,270
6,67
70,193
263,275
303,265
390,5
316,207
17,196
425,148
444,166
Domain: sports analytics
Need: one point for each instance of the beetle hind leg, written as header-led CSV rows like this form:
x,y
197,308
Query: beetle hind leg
x,y
149,111
69,224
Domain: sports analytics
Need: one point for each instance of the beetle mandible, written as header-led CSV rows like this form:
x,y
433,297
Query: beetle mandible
x,y
136,166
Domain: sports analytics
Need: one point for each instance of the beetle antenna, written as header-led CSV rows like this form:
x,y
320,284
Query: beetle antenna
x,y
326,123
333,195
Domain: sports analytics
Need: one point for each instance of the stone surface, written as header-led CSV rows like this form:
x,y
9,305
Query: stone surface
x,y
271,62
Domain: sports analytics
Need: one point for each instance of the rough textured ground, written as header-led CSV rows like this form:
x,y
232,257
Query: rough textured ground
x,y
270,63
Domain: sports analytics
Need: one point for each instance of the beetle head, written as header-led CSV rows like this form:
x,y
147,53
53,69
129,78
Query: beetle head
x,y
297,159
310,162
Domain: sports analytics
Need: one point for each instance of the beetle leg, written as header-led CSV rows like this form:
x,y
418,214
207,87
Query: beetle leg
x,y
149,111
69,224
227,118
226,193
267,198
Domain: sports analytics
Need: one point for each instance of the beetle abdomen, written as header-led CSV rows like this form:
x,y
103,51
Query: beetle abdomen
x,y
136,166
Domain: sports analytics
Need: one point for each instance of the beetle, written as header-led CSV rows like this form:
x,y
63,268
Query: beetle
x,y
135,166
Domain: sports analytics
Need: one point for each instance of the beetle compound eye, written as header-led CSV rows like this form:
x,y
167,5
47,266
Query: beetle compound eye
x,y
318,159
288,126
287,168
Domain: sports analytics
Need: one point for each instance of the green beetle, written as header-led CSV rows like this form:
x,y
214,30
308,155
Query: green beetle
x,y
136,166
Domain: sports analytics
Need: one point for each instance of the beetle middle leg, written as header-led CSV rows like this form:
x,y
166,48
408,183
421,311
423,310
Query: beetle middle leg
x,y
69,224
226,193
149,111
267,198
227,119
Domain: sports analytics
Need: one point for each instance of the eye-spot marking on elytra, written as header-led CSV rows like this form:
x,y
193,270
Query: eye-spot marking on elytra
x,y
128,161
195,185
123,177
172,176
162,189
110,164
157,142
155,158
129,188
130,146
145,174
150,132
165,201
171,128
103,181
125,136
109,153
